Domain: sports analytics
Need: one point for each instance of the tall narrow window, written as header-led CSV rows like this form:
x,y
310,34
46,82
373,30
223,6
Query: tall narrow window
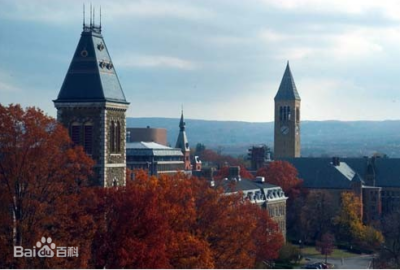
x,y
118,137
297,114
284,113
288,113
75,133
88,138
112,137
280,113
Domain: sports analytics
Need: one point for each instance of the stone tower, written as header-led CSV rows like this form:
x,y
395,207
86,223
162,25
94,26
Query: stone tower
x,y
287,118
183,144
92,105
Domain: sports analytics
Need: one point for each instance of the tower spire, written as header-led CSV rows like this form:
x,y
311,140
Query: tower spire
x,y
182,122
287,89
100,18
90,15
83,15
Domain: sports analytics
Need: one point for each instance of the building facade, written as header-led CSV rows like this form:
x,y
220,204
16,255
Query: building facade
x,y
374,180
154,158
91,105
148,134
287,118
267,196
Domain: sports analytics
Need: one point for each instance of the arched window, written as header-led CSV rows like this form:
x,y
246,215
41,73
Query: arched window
x,y
115,182
288,113
112,137
88,138
75,132
298,114
284,113
118,137
280,113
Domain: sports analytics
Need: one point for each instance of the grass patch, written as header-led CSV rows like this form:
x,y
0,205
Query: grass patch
x,y
310,251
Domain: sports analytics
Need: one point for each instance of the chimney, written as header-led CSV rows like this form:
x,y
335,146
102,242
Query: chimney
x,y
335,161
260,179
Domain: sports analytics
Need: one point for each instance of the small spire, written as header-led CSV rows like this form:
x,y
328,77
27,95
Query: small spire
x,y
83,15
94,13
100,17
90,15
182,122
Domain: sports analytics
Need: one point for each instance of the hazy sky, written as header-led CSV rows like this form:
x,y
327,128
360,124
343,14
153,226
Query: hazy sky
x,y
223,60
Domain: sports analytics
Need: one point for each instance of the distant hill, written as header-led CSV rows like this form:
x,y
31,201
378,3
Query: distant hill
x,y
318,138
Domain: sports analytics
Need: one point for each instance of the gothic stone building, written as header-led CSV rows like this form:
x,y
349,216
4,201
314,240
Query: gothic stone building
x,y
92,105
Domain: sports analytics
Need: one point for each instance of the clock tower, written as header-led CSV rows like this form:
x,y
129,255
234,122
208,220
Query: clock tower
x,y
287,118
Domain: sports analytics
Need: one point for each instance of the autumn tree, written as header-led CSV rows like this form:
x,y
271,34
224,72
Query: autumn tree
x,y
350,228
389,255
38,166
224,173
317,215
326,245
283,174
186,224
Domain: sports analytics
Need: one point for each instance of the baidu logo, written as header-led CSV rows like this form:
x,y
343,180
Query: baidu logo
x,y
46,249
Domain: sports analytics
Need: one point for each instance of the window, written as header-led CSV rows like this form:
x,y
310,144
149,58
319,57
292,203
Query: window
x,y
118,137
284,113
88,138
75,133
280,113
288,113
298,114
112,137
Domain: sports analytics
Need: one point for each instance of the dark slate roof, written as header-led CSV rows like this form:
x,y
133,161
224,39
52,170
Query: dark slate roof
x,y
91,76
387,172
320,173
287,90
245,185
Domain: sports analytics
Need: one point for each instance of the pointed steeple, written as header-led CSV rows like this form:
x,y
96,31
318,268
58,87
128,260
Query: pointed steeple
x,y
287,89
182,141
182,123
91,76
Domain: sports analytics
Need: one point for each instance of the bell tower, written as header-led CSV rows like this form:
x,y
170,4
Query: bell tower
x,y
92,106
287,118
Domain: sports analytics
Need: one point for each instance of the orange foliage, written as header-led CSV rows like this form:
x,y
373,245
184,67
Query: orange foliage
x,y
166,222
283,174
38,170
224,173
180,222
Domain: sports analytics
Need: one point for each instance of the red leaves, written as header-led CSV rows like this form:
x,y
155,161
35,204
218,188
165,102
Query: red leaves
x,y
37,169
166,222
283,174
180,222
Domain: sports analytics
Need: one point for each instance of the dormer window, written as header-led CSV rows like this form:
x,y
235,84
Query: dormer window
x,y
100,46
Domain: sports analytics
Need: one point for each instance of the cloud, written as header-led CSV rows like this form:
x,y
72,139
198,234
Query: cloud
x,y
51,11
7,84
390,8
154,61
